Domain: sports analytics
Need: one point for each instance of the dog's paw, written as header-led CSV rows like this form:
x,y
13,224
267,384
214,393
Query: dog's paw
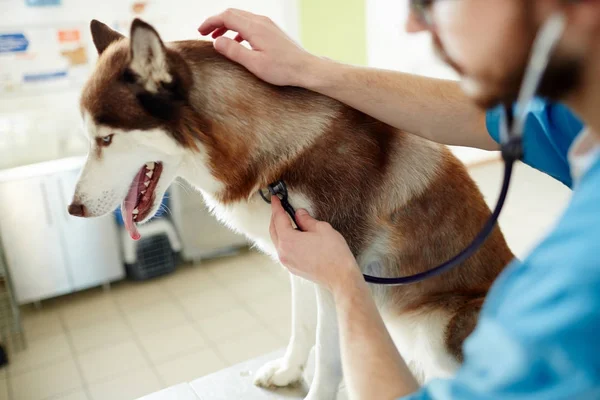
x,y
277,373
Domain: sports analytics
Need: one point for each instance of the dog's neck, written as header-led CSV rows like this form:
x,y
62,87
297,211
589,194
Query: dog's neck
x,y
248,132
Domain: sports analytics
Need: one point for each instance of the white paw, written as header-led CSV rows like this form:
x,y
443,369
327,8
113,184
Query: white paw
x,y
277,373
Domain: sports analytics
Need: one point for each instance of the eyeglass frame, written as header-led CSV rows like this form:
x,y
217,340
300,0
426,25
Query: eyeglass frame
x,y
422,10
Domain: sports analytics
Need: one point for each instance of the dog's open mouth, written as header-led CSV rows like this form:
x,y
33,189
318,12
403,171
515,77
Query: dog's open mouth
x,y
140,198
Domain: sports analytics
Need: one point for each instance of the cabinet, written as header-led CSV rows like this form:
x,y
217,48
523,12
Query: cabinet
x,y
30,240
49,252
93,255
202,236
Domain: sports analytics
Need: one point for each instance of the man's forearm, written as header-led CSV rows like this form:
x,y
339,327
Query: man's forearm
x,y
373,368
431,108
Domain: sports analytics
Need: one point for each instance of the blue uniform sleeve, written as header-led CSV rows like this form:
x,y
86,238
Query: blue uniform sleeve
x,y
537,336
549,132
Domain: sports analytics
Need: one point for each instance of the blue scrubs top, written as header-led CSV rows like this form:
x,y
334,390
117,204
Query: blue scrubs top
x,y
539,332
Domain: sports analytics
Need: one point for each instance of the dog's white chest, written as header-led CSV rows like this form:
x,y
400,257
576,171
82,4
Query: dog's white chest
x,y
252,217
420,340
249,218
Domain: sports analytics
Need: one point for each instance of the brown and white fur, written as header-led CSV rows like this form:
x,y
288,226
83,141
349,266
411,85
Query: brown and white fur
x,y
398,199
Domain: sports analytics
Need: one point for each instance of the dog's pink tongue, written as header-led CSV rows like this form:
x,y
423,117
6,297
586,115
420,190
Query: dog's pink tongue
x,y
128,206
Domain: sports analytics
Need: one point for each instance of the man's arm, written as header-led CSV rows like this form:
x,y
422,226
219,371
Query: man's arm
x,y
434,109
431,108
373,368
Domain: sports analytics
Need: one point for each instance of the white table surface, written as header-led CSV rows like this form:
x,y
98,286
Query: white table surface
x,y
232,383
236,383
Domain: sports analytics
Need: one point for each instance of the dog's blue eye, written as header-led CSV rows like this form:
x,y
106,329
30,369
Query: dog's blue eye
x,y
105,140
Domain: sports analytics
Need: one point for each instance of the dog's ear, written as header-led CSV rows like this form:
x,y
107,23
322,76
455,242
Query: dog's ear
x,y
103,35
148,57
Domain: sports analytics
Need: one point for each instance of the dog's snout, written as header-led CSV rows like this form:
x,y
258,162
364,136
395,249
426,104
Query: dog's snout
x,y
77,210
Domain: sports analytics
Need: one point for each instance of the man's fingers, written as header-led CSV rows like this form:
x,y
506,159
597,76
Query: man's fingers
x,y
305,221
219,32
211,24
281,222
234,51
232,19
222,31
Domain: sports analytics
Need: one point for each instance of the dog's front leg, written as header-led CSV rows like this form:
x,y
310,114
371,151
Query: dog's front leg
x,y
289,368
328,364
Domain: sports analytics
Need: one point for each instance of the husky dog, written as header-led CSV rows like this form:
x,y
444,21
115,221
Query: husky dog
x,y
155,111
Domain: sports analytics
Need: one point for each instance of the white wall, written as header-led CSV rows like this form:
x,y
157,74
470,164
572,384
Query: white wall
x,y
41,121
390,47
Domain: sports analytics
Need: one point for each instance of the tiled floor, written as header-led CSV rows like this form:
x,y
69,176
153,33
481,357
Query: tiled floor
x,y
140,337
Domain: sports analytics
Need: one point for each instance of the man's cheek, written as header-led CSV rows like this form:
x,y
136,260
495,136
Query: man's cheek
x,y
450,31
454,53
441,53
471,32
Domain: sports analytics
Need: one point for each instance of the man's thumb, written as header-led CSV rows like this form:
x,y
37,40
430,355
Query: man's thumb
x,y
305,221
233,50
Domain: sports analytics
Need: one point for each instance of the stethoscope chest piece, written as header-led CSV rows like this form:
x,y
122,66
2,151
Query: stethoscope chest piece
x,y
279,189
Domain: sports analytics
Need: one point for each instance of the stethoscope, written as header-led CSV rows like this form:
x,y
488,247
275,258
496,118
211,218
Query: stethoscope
x,y
511,133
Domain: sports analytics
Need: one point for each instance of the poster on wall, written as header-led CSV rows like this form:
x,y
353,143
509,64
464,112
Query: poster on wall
x,y
42,58
152,12
42,3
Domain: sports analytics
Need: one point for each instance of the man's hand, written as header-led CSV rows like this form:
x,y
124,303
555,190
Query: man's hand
x,y
319,254
274,56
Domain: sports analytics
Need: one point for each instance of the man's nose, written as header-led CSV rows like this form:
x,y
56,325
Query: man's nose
x,y
414,24
77,209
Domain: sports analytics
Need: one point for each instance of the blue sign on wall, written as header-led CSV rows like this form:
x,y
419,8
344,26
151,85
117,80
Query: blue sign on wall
x,y
13,43
44,76
42,3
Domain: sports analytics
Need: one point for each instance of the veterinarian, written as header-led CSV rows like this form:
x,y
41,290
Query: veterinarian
x,y
537,337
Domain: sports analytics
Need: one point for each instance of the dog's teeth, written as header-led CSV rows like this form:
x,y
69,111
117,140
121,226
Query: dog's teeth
x,y
135,211
143,192
149,174
150,166
135,217
147,183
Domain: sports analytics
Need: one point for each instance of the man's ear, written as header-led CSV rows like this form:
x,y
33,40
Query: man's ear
x,y
148,56
103,35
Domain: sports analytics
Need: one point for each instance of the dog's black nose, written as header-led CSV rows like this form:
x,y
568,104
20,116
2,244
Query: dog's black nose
x,y
77,210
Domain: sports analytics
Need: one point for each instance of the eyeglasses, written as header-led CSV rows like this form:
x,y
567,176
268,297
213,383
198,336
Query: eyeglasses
x,y
422,10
